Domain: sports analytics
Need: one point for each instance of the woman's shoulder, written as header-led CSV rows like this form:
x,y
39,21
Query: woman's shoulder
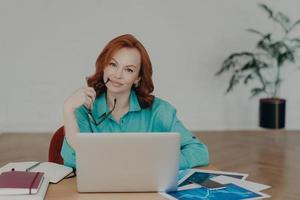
x,y
163,113
161,104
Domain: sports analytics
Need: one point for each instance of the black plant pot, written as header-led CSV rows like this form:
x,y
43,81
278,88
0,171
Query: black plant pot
x,y
272,113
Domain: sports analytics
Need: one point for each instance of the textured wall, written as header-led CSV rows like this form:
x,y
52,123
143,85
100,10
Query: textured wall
x,y
48,47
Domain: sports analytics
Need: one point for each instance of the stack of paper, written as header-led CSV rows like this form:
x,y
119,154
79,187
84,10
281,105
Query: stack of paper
x,y
54,172
19,182
51,173
209,184
22,185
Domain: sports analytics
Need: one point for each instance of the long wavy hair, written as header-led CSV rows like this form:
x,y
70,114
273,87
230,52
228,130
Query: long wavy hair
x,y
145,87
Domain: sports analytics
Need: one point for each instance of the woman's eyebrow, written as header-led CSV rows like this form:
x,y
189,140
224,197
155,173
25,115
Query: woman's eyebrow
x,y
115,60
126,65
131,66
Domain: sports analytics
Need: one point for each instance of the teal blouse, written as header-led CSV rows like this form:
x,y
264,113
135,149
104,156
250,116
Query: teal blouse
x,y
160,117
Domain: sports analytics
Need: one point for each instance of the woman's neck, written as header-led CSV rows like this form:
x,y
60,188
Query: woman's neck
x,y
122,100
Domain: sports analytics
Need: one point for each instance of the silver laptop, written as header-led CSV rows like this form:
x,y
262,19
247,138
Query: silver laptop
x,y
127,162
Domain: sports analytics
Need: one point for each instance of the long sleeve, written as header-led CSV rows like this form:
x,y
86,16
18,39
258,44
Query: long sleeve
x,y
193,152
67,152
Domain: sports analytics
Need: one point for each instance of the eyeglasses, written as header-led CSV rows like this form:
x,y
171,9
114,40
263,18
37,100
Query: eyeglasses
x,y
102,117
100,85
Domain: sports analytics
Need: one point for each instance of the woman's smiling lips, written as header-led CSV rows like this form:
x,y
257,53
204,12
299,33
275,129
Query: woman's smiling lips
x,y
116,84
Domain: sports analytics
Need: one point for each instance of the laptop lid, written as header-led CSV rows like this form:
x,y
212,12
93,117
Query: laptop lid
x,y
127,162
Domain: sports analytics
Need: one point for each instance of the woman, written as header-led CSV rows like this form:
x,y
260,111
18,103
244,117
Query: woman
x,y
118,99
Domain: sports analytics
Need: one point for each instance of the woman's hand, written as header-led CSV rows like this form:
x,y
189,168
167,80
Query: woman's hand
x,y
83,96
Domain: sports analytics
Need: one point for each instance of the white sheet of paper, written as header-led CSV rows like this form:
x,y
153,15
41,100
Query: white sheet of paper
x,y
54,172
18,166
242,183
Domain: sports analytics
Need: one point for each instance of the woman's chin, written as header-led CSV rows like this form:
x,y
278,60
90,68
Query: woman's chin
x,y
117,90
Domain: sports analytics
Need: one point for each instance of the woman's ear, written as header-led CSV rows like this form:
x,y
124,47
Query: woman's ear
x,y
137,82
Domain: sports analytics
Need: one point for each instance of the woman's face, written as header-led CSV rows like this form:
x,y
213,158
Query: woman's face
x,y
123,70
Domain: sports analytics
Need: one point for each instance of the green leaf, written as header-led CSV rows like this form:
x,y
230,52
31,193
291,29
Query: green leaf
x,y
283,20
249,77
225,66
256,32
287,56
231,61
297,40
295,24
268,83
279,18
257,91
266,8
241,54
261,78
278,82
282,52
261,65
265,43
232,83
249,65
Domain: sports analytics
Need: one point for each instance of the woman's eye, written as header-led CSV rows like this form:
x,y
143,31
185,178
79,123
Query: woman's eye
x,y
112,64
129,70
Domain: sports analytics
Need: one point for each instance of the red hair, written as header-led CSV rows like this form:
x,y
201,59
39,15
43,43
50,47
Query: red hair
x,y
145,87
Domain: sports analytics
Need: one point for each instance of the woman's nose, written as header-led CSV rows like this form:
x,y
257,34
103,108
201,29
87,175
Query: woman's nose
x,y
118,73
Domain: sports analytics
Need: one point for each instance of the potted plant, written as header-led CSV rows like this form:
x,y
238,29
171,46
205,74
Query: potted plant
x,y
263,66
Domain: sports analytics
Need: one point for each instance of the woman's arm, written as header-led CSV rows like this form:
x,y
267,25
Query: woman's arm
x,y
83,96
75,120
193,152
70,125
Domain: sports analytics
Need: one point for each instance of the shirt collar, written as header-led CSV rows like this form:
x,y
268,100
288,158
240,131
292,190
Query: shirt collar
x,y
134,104
101,106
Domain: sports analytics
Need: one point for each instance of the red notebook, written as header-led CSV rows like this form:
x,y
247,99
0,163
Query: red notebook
x,y
20,182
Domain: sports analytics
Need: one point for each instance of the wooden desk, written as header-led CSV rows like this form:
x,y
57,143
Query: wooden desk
x,y
66,189
269,157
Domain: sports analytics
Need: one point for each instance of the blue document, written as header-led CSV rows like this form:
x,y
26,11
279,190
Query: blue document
x,y
230,192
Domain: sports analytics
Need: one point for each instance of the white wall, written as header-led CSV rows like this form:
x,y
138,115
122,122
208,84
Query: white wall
x,y
48,47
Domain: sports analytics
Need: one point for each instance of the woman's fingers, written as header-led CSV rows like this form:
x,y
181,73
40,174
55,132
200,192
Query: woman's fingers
x,y
88,103
90,96
92,90
82,96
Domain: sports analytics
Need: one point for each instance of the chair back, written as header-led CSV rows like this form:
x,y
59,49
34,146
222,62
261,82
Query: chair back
x,y
55,146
